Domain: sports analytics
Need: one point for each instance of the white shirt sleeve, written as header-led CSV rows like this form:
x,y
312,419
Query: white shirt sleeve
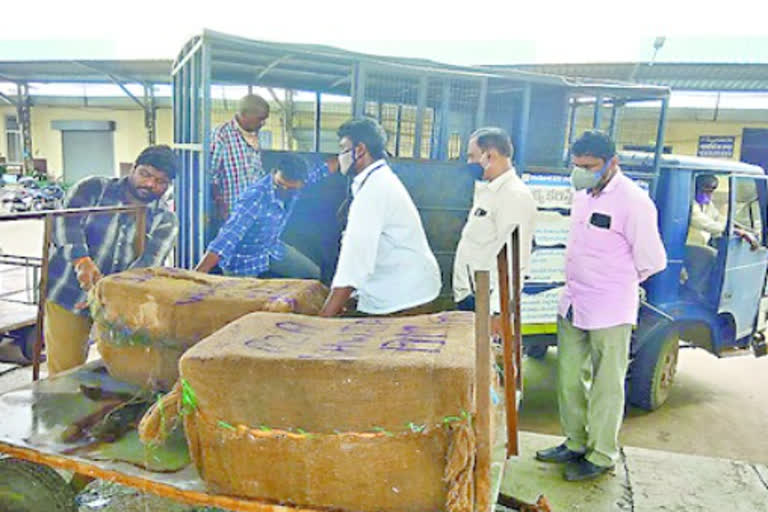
x,y
360,243
709,221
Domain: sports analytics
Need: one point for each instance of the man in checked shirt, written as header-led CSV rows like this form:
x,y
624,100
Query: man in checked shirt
x,y
249,243
236,155
89,246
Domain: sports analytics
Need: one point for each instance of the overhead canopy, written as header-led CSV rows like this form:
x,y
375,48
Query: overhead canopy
x,y
238,60
87,71
734,77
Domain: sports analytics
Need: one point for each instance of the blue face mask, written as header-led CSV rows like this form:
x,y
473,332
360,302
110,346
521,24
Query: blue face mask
x,y
582,178
703,198
476,169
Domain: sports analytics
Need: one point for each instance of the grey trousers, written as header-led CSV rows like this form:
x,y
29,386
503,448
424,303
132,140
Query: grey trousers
x,y
592,366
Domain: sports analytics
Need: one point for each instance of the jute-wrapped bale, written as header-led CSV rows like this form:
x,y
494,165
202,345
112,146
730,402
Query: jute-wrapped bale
x,y
360,414
145,319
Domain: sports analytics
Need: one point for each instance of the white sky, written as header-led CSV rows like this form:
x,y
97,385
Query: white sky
x,y
490,31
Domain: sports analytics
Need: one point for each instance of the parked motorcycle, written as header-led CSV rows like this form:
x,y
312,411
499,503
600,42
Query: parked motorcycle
x,y
30,196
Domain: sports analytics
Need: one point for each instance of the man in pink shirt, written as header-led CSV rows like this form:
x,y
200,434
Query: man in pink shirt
x,y
613,246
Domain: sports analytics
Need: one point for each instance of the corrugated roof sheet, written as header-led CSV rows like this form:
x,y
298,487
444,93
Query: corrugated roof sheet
x,y
86,71
687,76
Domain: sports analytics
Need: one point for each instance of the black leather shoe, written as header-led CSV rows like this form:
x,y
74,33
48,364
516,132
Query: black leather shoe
x,y
558,454
582,469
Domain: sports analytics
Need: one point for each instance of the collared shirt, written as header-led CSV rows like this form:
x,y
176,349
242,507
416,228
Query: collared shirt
x,y
706,221
107,238
498,206
384,254
235,164
251,235
613,245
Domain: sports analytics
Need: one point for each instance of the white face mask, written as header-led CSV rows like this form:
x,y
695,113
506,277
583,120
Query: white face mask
x,y
582,178
345,161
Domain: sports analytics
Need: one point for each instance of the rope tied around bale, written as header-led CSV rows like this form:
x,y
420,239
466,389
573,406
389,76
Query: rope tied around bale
x,y
163,417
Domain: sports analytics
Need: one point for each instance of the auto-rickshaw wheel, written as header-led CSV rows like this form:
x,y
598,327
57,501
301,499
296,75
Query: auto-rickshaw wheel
x,y
653,370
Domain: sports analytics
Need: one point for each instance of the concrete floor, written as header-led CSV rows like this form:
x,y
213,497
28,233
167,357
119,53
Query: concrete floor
x,y
717,407
643,481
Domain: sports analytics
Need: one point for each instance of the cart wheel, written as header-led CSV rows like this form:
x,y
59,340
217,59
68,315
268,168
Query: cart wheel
x,y
29,487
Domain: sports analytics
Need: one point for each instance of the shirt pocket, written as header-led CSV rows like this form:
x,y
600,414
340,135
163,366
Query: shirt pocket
x,y
603,240
480,229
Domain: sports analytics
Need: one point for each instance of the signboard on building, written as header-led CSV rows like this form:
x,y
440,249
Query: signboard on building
x,y
718,146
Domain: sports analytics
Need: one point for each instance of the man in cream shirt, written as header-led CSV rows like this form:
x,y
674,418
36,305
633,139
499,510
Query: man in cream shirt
x,y
501,202
384,256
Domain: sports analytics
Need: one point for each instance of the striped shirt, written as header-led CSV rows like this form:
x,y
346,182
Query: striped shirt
x,y
251,235
235,164
107,238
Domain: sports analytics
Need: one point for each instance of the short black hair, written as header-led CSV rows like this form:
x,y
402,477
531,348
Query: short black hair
x,y
161,157
365,131
702,180
493,137
293,167
594,143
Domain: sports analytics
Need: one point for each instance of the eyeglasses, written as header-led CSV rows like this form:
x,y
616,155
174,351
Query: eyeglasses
x,y
346,151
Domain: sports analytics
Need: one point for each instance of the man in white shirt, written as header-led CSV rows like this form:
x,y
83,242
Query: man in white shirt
x,y
706,223
384,256
706,219
501,202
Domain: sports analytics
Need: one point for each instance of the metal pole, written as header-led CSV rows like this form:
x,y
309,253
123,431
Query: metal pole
x,y
614,116
571,130
358,90
42,295
421,107
140,242
398,126
150,120
521,153
660,134
205,198
517,323
318,124
445,107
598,112
25,122
510,369
482,101
482,419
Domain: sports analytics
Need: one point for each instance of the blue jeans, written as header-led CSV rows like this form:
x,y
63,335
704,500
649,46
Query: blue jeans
x,y
466,304
294,265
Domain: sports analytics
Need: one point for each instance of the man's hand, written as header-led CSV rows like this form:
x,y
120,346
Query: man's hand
x,y
333,164
87,273
337,299
210,260
750,238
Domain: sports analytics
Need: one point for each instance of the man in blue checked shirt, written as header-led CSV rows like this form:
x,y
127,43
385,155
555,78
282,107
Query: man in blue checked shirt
x,y
249,242
89,246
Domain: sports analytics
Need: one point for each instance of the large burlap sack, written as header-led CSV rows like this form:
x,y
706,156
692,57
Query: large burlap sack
x,y
364,414
144,319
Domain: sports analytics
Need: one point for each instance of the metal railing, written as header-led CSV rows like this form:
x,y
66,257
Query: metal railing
x,y
48,217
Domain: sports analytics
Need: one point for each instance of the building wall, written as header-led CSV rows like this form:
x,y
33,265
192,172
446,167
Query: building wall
x,y
684,126
130,136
